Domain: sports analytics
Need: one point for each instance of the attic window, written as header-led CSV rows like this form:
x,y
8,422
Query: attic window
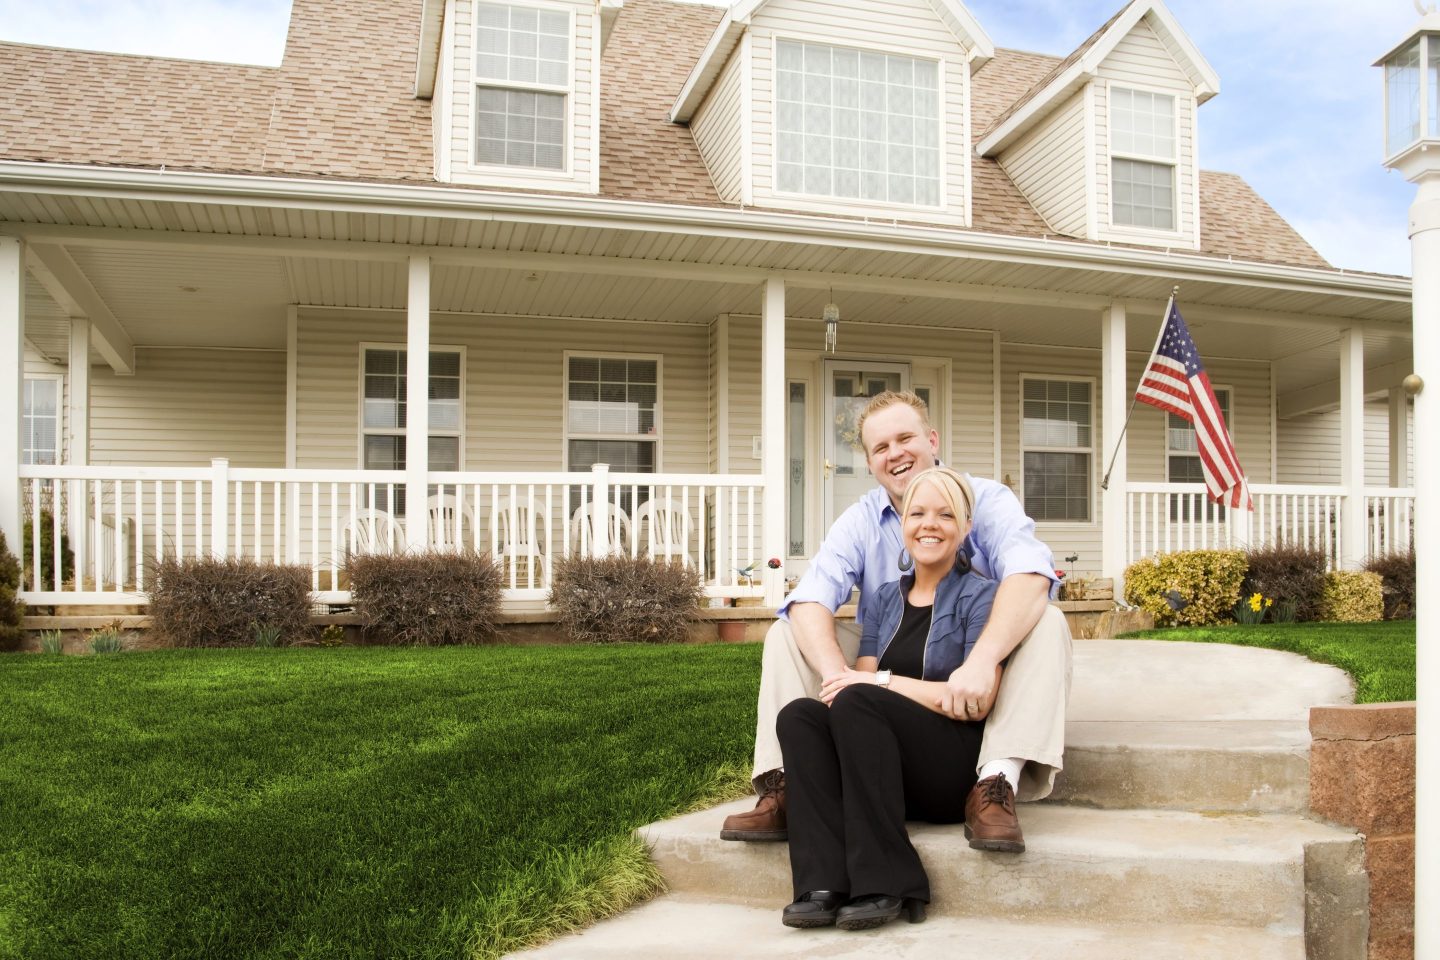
x,y
522,83
1142,159
857,124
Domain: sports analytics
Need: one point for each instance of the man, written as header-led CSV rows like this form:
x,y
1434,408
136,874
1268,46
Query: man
x,y
1025,717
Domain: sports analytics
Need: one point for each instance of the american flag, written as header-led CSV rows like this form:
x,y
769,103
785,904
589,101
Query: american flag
x,y
1175,380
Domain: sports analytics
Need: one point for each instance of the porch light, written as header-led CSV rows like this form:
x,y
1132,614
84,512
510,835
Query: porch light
x,y
831,316
1412,96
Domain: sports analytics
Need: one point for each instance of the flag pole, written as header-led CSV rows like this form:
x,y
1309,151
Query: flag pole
x,y
1105,481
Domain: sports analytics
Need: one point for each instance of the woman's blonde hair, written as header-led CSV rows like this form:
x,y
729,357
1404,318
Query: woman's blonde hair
x,y
952,486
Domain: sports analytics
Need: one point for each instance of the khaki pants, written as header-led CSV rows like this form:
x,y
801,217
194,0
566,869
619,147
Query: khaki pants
x,y
1027,721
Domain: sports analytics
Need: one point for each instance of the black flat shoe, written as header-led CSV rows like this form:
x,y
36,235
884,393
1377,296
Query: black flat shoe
x,y
814,909
874,910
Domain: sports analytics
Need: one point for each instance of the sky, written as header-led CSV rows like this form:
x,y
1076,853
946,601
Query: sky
x,y
1298,114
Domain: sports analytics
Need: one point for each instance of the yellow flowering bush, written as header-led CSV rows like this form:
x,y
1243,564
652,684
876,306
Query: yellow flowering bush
x,y
1352,596
1190,588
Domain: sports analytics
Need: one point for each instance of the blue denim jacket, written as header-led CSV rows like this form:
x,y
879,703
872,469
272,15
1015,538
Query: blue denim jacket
x,y
962,606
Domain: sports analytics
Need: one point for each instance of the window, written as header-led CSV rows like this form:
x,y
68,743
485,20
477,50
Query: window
x,y
612,413
384,393
1182,448
1057,443
1142,159
795,506
40,421
522,81
857,124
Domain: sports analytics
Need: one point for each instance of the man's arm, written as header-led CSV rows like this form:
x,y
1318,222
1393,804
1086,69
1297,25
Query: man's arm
x,y
813,626
1019,603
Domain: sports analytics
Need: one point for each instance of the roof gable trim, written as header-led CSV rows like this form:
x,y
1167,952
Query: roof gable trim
x,y
427,64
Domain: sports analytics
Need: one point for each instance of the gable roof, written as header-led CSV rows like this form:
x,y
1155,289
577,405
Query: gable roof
x,y
1079,68
736,20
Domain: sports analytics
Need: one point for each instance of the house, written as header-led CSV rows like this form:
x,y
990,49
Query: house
x,y
548,276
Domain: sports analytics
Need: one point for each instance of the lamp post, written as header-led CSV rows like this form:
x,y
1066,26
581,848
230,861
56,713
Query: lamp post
x,y
1412,146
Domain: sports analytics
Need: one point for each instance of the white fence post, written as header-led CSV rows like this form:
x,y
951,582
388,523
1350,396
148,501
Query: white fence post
x,y
220,509
600,507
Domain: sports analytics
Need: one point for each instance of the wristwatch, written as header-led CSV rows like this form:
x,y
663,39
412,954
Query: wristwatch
x,y
882,677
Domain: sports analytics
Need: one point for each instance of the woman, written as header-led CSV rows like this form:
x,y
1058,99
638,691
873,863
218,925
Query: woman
x,y
876,749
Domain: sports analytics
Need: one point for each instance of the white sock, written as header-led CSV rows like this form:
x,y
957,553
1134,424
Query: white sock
x,y
1010,767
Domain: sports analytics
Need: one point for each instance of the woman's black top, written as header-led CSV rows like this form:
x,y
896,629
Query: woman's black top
x,y
906,654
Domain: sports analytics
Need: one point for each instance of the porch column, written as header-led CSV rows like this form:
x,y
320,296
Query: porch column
x,y
1114,394
772,430
417,404
1399,437
12,358
78,415
1352,449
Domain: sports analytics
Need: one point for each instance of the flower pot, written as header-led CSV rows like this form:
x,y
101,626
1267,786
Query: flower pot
x,y
731,631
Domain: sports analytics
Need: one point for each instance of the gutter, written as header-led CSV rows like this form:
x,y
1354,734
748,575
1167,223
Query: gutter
x,y
740,223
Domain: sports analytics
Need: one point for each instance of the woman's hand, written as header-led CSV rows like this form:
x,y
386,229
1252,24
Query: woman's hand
x,y
970,692
837,682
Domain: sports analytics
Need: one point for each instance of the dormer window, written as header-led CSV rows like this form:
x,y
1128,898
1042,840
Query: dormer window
x,y
857,124
522,85
1142,159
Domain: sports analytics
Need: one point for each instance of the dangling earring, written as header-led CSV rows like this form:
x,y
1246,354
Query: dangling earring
x,y
962,561
905,563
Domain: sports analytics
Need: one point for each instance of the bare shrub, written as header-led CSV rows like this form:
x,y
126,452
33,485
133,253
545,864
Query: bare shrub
x,y
427,598
11,609
619,599
1397,582
1288,572
220,603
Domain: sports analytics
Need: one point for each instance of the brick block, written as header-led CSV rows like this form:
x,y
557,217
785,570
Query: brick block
x,y
1364,721
1367,785
1390,861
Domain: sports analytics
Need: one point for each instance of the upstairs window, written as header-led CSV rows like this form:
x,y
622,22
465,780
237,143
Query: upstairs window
x,y
857,125
1057,444
522,86
1143,157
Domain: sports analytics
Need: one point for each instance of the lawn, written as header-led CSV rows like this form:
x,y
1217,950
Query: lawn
x,y
1379,656
350,802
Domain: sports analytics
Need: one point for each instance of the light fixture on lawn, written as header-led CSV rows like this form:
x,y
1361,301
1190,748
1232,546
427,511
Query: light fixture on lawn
x,y
831,316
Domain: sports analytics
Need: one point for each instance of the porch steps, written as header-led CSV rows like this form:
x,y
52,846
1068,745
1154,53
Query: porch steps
x,y
1178,831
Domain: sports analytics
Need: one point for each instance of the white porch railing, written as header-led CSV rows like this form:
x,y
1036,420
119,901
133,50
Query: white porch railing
x,y
1166,517
120,521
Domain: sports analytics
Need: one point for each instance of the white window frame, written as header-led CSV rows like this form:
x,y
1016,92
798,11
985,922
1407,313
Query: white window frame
x,y
1089,451
26,416
567,435
1173,163
363,431
1229,425
565,171
830,201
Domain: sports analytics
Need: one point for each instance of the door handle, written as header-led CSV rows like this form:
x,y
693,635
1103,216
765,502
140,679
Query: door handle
x,y
827,469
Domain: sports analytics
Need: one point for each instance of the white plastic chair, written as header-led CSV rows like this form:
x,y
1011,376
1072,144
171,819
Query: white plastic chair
x,y
582,530
662,528
521,536
372,531
452,525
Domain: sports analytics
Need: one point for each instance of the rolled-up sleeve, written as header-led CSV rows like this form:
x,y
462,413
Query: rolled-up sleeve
x,y
835,569
1005,537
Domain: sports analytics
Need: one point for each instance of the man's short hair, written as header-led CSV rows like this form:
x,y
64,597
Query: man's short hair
x,y
888,399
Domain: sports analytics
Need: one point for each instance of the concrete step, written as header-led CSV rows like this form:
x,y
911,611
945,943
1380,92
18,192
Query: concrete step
x,y
694,928
1109,866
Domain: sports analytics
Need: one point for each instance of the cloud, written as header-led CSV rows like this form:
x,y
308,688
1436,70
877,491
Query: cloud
x,y
236,31
1355,242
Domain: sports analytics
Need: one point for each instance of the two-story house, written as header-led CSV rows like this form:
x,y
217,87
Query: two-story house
x,y
547,276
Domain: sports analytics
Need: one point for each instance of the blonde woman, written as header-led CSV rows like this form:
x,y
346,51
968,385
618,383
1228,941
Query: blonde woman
x,y
878,748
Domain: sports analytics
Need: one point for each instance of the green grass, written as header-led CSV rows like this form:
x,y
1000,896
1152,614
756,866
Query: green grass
x,y
1379,656
354,802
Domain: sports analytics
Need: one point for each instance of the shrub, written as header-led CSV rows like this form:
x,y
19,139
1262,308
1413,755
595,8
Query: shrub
x,y
266,635
11,609
108,640
1397,583
47,551
618,599
1352,596
1287,572
52,641
1190,588
427,598
218,603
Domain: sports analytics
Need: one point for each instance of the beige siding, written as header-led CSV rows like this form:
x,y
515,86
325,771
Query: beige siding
x,y
718,133
1142,62
1049,165
582,104
514,385
1308,447
907,27
186,407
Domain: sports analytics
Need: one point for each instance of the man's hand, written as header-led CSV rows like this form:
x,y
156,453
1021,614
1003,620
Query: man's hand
x,y
834,684
813,626
970,691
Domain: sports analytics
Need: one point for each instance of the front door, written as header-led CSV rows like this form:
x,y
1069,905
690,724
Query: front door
x,y
849,386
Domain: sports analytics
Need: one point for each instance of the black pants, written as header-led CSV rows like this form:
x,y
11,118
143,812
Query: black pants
x,y
854,773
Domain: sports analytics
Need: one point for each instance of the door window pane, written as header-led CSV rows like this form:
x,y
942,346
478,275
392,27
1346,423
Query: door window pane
x,y
795,429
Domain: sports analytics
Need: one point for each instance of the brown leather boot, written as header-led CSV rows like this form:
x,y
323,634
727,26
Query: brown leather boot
x,y
990,820
767,820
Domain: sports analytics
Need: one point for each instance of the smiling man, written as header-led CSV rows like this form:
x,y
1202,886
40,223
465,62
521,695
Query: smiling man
x,y
1025,716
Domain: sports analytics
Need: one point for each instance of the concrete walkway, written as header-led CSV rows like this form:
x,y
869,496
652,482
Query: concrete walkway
x,y
1178,829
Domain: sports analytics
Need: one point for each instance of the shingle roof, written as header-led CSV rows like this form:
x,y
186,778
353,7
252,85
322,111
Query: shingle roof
x,y
341,104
